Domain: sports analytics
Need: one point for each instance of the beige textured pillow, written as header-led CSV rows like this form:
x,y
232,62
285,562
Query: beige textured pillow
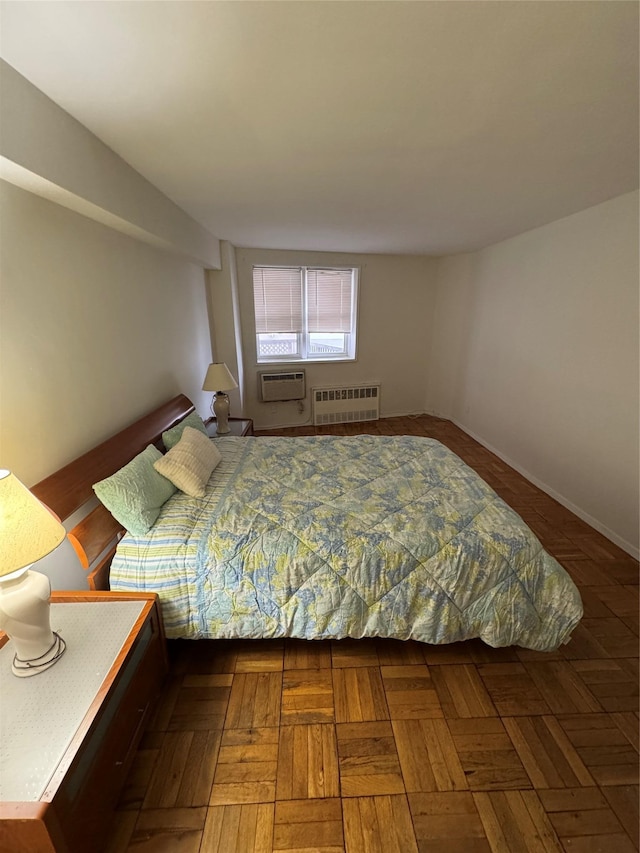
x,y
188,465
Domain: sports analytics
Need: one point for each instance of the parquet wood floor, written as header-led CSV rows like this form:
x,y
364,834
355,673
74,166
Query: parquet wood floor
x,y
376,746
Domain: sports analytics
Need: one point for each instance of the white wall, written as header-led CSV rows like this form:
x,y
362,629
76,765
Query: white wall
x,y
535,352
395,316
96,329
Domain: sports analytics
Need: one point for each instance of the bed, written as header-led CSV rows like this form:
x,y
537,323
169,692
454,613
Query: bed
x,y
328,537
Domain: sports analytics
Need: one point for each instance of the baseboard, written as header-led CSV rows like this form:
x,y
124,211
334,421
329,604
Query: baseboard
x,y
415,414
268,427
576,510
309,422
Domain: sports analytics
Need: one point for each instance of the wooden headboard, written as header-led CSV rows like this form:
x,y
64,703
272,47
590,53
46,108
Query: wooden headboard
x,y
66,491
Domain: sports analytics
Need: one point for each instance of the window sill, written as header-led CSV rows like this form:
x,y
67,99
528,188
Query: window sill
x,y
303,361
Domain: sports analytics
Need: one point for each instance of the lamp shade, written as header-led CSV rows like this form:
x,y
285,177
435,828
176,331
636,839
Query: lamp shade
x,y
218,378
28,531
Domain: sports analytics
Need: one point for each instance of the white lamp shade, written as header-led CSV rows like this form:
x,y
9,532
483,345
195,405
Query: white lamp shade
x,y
28,531
218,378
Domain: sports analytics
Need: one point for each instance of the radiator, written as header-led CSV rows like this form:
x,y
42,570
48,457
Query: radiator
x,y
345,405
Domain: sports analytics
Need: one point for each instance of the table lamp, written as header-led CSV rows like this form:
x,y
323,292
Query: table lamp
x,y
219,379
28,532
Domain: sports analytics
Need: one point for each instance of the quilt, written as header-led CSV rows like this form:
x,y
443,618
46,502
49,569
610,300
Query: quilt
x,y
327,537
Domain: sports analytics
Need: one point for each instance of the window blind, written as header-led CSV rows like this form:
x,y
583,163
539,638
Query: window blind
x,y
277,296
329,300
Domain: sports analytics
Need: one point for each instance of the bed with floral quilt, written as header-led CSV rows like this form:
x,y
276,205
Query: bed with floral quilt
x,y
328,537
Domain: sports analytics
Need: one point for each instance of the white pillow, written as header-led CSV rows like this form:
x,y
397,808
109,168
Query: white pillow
x,y
189,463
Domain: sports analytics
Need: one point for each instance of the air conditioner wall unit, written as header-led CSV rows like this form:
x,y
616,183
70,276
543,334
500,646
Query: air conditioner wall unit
x,y
276,387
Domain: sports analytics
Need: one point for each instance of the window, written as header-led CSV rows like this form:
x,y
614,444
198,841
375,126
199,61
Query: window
x,y
305,313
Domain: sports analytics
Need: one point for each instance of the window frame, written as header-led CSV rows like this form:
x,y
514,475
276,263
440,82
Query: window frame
x,y
303,354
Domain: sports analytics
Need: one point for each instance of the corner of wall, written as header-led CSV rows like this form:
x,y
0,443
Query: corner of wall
x,y
224,320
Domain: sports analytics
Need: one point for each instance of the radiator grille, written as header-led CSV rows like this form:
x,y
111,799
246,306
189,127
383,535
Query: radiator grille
x,y
345,405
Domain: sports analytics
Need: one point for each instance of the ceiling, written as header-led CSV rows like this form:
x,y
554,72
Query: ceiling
x,y
393,127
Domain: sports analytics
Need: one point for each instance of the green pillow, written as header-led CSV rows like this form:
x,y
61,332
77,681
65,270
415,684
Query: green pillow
x,y
135,494
172,436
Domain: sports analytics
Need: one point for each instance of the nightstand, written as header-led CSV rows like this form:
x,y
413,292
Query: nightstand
x,y
238,426
69,733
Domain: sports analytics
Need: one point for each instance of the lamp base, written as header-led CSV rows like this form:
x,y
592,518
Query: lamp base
x,y
221,412
24,616
27,668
